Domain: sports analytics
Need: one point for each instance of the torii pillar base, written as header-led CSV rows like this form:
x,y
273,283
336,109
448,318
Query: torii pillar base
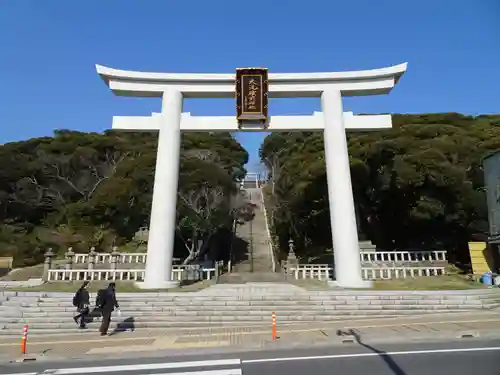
x,y
158,285
363,284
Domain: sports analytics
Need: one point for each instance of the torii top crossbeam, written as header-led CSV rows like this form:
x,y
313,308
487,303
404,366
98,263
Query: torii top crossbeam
x,y
281,85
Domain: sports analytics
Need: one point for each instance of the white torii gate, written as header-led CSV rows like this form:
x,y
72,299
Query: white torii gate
x,y
330,87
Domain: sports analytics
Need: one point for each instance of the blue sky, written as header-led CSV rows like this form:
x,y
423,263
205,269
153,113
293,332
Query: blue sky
x,y
49,49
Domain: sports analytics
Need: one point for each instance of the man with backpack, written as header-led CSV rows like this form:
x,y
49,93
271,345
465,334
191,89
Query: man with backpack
x,y
106,302
81,300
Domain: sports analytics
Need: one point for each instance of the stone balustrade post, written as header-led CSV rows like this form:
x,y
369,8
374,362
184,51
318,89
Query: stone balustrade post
x,y
115,258
291,260
47,265
217,270
92,258
70,258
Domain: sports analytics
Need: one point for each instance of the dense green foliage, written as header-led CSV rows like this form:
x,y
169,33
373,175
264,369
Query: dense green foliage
x,y
419,185
88,189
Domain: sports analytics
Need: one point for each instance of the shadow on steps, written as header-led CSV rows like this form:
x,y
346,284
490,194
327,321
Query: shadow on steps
x,y
241,250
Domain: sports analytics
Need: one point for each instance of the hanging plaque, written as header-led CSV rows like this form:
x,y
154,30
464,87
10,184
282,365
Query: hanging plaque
x,y
251,94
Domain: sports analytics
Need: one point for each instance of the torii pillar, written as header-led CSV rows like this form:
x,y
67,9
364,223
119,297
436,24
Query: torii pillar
x,y
330,87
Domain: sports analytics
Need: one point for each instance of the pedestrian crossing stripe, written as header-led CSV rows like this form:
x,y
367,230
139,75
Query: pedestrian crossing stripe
x,y
148,367
209,372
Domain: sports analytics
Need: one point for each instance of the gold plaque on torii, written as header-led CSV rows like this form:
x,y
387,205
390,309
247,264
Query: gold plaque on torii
x,y
252,94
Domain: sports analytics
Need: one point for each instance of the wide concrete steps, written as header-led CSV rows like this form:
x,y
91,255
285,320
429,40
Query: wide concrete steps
x,y
234,305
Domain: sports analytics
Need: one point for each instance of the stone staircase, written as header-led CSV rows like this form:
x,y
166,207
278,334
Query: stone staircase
x,y
230,305
251,277
255,233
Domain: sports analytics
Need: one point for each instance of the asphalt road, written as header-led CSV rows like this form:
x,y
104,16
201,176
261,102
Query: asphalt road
x,y
456,358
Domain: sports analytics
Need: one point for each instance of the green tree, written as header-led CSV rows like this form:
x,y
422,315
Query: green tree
x,y
88,189
418,185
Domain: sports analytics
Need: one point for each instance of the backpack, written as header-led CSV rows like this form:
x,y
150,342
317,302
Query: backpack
x,y
100,299
76,299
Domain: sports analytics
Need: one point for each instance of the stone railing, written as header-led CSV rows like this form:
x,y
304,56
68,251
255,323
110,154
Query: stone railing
x,y
107,258
179,273
325,272
272,252
103,258
373,256
367,255
381,265
311,271
400,272
67,272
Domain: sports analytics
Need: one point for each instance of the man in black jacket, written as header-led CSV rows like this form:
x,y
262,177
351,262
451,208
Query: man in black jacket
x,y
81,301
107,306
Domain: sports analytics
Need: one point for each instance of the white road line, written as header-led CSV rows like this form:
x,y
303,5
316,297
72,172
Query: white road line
x,y
142,367
358,355
211,372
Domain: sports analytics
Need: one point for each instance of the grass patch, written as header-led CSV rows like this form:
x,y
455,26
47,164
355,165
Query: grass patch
x,y
121,287
448,282
26,273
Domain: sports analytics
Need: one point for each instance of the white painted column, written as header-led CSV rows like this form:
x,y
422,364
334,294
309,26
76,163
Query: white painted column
x,y
163,211
340,195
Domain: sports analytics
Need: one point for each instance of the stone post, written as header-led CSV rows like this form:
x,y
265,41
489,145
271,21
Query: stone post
x,y
47,265
92,258
217,270
115,257
291,260
70,257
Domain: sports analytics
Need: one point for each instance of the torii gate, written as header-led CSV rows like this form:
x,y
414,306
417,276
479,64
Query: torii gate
x,y
330,87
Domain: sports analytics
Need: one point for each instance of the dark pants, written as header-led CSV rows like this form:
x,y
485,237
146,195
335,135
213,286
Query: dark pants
x,y
82,316
106,320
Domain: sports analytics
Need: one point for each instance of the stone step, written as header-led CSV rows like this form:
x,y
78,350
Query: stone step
x,y
242,277
337,310
233,315
240,296
282,316
204,315
256,306
61,322
220,305
243,300
277,289
255,301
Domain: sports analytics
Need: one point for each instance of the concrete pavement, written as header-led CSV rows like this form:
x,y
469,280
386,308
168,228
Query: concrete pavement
x,y
451,357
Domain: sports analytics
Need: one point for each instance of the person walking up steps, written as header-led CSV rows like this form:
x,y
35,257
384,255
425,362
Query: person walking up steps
x,y
81,301
107,303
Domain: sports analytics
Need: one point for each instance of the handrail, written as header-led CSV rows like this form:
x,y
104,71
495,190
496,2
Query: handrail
x,y
271,247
